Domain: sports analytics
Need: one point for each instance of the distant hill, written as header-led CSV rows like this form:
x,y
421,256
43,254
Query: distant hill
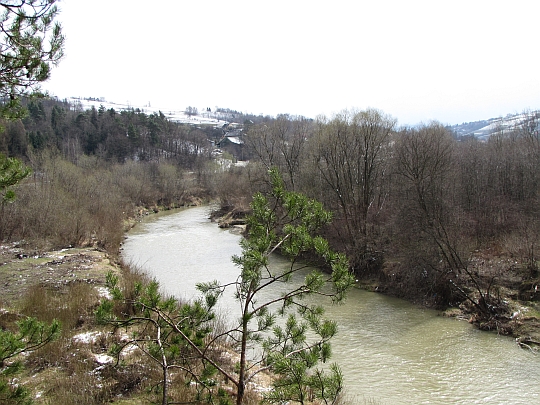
x,y
485,128
175,115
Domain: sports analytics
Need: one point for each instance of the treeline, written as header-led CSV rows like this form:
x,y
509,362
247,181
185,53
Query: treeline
x,y
413,206
112,135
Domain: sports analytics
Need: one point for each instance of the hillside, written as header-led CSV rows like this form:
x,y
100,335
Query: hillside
x,y
174,115
483,129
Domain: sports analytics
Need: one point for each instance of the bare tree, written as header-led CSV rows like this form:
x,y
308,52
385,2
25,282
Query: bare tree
x,y
426,164
191,111
281,143
351,159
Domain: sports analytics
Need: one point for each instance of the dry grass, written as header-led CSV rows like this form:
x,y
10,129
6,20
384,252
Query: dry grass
x,y
72,305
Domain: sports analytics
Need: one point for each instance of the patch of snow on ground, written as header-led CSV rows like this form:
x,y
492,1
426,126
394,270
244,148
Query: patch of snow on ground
x,y
88,337
104,293
103,358
126,351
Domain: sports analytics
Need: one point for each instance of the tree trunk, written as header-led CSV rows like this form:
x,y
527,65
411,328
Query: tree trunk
x,y
165,387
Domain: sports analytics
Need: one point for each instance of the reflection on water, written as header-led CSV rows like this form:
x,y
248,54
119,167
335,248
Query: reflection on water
x,y
390,351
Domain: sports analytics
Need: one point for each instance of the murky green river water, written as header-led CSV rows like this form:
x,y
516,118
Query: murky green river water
x,y
390,351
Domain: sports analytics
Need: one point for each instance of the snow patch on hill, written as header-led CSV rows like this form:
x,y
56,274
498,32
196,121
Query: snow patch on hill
x,y
484,129
173,115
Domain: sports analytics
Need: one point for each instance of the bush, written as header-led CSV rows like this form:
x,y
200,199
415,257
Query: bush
x,y
85,204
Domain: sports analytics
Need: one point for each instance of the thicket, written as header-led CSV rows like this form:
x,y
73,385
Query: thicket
x,y
416,209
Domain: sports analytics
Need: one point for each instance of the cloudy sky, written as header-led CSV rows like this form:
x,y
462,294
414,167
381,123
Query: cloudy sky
x,y
451,61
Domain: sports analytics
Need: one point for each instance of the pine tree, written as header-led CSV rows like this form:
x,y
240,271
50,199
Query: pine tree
x,y
30,43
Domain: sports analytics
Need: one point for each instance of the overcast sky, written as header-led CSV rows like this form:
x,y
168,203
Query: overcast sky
x,y
451,61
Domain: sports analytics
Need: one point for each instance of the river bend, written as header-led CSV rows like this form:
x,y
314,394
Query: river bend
x,y
390,351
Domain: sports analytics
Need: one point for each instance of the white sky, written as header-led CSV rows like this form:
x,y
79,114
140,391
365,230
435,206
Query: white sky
x,y
452,61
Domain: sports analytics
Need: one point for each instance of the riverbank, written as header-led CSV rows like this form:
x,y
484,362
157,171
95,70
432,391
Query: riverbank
x,y
513,297
68,284
515,292
23,269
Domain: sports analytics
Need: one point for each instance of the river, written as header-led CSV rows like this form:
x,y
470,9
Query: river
x,y
390,351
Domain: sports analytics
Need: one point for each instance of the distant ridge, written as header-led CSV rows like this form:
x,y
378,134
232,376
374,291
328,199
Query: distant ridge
x,y
485,128
481,129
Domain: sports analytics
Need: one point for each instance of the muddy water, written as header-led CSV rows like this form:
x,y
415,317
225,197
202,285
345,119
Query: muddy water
x,y
390,351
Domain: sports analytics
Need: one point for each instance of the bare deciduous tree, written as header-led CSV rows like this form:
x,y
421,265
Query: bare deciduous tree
x,y
281,143
351,159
